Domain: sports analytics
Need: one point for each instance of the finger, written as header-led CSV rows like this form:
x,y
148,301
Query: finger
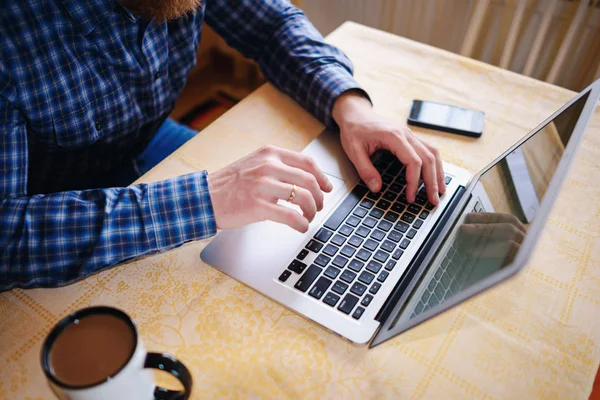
x,y
494,231
283,215
301,178
428,170
489,218
303,197
407,155
307,164
364,166
441,176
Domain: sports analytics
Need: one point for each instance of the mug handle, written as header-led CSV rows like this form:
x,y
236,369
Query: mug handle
x,y
168,363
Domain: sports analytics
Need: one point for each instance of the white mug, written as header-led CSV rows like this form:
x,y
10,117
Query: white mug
x,y
133,381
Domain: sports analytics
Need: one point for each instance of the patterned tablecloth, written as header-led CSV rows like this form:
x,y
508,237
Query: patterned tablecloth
x,y
537,336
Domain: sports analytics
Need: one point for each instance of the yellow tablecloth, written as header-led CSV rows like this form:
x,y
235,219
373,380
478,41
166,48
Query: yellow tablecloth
x,y
536,336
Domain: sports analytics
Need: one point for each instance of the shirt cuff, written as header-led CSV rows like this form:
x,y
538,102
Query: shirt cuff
x,y
329,84
181,210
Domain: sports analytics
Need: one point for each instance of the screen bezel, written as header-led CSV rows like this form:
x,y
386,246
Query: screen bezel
x,y
387,330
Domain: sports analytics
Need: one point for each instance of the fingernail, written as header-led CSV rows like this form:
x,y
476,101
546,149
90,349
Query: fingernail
x,y
329,186
437,198
372,184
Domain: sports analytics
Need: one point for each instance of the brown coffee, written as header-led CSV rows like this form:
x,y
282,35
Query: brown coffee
x,y
91,350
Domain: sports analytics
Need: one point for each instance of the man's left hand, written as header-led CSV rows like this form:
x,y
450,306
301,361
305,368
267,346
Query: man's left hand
x,y
363,132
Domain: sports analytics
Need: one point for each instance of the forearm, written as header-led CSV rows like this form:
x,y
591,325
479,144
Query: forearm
x,y
51,240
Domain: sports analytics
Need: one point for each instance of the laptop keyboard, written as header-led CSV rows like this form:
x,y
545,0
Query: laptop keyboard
x,y
360,243
447,280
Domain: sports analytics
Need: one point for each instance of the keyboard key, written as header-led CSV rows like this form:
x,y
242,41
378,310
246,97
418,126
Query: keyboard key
x,y
338,240
331,299
358,313
297,266
302,255
390,196
402,198
340,214
330,250
413,208
390,265
355,240
284,275
358,288
383,204
313,245
401,226
331,272
417,224
396,188
322,260
370,222
395,168
424,214
448,179
398,208
407,217
363,231
388,246
363,255
323,235
370,244
421,200
377,235
353,221
360,212
320,287
366,300
394,236
347,304
340,261
308,278
348,276
374,266
346,230
348,251
366,277
375,288
366,203
387,179
381,256
391,216
383,276
397,254
339,287
374,196
404,244
356,265
411,233
376,213
385,225
429,206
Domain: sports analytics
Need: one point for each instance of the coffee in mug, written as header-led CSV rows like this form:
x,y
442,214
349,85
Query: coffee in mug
x,y
96,353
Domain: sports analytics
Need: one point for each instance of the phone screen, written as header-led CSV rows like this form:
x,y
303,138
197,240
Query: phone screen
x,y
443,116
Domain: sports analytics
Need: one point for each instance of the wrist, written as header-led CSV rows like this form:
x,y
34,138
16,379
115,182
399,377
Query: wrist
x,y
347,105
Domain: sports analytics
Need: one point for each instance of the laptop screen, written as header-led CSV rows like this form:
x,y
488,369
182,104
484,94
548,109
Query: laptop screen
x,y
502,206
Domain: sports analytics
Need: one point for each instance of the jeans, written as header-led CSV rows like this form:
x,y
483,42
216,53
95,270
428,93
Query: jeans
x,y
169,137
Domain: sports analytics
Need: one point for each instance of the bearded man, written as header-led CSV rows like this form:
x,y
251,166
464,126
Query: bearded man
x,y
86,88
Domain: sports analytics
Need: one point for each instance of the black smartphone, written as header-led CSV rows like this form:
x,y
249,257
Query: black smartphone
x,y
447,118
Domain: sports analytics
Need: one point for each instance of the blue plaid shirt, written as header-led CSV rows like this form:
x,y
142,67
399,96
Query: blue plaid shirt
x,y
84,85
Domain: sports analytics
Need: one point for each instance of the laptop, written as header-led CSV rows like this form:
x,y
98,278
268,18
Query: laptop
x,y
372,265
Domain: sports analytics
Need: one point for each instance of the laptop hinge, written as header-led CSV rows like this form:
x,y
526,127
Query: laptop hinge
x,y
426,247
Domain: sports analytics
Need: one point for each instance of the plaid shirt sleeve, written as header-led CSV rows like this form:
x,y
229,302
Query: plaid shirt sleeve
x,y
289,50
54,239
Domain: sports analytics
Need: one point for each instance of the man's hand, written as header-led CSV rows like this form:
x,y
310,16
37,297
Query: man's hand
x,y
363,132
247,190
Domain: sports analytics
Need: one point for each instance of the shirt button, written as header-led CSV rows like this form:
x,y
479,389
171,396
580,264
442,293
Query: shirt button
x,y
157,76
98,126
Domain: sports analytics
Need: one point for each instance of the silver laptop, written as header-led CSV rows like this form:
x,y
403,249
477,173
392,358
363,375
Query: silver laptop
x,y
372,266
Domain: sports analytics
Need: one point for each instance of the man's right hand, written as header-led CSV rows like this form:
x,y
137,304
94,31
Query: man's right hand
x,y
247,190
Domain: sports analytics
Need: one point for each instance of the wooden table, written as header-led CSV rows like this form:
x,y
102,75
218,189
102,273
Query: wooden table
x,y
537,336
